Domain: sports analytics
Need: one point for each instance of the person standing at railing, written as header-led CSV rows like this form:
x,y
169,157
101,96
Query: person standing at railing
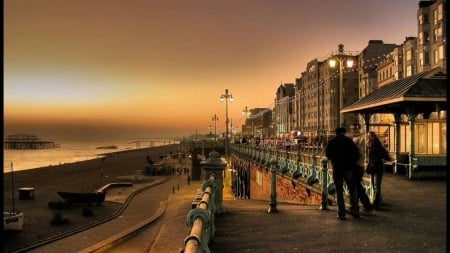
x,y
343,154
375,165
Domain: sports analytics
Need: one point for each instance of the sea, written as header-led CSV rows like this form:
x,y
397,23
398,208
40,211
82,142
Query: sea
x,y
71,151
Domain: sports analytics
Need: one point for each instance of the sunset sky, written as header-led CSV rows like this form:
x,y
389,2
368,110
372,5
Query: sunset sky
x,y
157,68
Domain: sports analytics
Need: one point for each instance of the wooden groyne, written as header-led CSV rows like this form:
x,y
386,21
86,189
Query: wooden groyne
x,y
27,141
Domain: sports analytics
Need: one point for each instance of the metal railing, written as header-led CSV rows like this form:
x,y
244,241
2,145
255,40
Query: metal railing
x,y
309,162
201,220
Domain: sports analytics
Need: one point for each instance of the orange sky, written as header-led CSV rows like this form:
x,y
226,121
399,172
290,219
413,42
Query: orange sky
x,y
157,68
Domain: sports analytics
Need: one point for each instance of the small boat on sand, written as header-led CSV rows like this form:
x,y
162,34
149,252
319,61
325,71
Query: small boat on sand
x,y
14,219
83,197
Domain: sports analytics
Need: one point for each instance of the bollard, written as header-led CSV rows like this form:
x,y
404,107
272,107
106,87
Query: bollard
x,y
324,203
273,188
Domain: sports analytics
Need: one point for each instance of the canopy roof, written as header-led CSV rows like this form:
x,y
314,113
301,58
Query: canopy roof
x,y
425,92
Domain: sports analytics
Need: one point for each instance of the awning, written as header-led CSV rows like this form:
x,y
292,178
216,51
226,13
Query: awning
x,y
425,92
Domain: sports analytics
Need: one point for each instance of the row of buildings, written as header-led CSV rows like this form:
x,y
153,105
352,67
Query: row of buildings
x,y
311,105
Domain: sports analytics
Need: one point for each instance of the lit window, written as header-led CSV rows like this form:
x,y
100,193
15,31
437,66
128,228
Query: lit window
x,y
408,55
441,52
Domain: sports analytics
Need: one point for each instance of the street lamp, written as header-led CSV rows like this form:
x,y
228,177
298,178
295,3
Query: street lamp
x,y
349,62
246,113
225,97
215,119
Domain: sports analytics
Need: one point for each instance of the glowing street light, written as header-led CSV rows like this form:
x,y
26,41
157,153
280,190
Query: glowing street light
x,y
225,97
349,63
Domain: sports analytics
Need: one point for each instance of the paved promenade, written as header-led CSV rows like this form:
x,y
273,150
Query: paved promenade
x,y
413,219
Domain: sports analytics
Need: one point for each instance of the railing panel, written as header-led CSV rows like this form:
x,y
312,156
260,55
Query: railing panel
x,y
303,162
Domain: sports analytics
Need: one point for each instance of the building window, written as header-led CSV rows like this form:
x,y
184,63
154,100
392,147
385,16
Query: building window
x,y
433,138
421,59
421,139
408,71
426,58
426,37
436,56
435,35
404,139
439,12
441,52
435,17
443,137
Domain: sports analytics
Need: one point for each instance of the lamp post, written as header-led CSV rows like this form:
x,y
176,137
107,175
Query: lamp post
x,y
246,113
215,119
332,62
225,97
210,128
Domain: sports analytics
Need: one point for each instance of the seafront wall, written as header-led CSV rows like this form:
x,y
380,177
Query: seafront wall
x,y
288,189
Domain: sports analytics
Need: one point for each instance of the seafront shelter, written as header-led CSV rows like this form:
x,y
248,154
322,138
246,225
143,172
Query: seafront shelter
x,y
415,131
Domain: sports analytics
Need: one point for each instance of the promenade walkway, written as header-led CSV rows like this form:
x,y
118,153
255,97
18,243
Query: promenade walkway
x,y
413,219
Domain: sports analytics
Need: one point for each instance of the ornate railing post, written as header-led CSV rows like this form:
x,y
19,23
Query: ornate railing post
x,y
324,203
273,188
215,164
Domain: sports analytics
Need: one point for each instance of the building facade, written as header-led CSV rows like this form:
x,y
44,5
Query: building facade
x,y
432,34
311,105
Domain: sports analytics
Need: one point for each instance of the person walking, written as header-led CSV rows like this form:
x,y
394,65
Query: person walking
x,y
375,165
343,154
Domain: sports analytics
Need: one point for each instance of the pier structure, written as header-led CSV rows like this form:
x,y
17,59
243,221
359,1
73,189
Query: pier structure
x,y
27,141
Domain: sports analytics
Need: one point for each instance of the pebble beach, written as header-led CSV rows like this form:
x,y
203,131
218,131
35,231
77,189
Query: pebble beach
x,y
85,176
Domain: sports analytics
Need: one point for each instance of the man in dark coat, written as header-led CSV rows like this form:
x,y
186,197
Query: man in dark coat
x,y
344,155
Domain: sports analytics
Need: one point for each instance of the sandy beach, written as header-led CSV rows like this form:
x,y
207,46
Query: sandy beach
x,y
85,176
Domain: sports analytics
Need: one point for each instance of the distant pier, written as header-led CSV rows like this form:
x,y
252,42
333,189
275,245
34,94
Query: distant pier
x,y
27,141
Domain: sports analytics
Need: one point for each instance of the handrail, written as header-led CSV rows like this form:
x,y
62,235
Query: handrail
x,y
307,161
201,220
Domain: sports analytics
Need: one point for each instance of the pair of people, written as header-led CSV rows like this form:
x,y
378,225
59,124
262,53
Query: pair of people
x,y
344,155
